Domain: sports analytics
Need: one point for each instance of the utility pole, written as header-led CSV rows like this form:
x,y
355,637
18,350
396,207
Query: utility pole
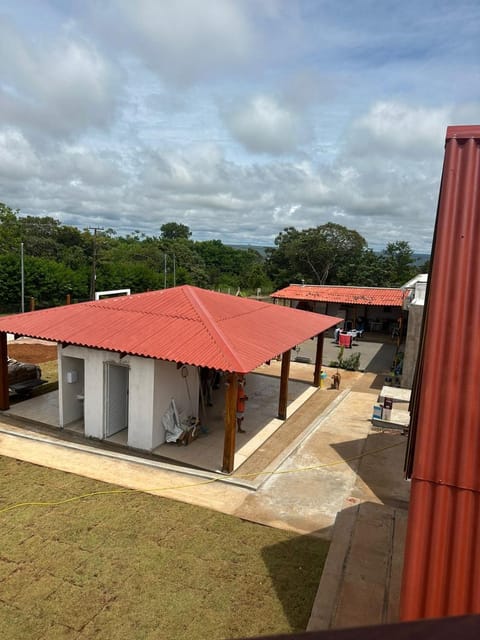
x,y
164,270
23,277
174,272
93,280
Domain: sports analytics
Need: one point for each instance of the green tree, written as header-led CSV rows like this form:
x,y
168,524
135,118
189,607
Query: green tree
x,y
189,265
282,264
49,282
315,255
398,264
230,267
10,283
175,231
365,271
10,230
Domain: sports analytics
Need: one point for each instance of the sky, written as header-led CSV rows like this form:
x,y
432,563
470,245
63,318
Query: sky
x,y
237,118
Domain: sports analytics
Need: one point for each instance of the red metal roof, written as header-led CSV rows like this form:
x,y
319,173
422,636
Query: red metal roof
x,y
184,324
371,296
442,560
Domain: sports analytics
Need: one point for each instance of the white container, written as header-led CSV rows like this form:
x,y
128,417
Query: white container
x,y
377,411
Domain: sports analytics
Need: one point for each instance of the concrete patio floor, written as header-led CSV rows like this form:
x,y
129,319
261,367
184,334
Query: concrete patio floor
x,y
206,452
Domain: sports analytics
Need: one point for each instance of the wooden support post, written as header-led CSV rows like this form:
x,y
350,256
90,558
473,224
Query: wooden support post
x,y
285,371
32,304
69,298
4,399
318,361
230,423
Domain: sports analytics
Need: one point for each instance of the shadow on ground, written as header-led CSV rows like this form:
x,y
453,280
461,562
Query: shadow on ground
x,y
383,359
295,568
379,467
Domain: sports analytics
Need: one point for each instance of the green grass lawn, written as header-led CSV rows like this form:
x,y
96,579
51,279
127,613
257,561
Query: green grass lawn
x,y
137,566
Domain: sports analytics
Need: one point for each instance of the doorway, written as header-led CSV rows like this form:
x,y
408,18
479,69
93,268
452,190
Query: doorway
x,y
72,394
116,398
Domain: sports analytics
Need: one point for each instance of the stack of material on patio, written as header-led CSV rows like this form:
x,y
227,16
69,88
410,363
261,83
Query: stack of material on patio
x,y
181,430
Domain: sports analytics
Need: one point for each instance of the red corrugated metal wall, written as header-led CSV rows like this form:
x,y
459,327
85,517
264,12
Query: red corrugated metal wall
x,y
442,557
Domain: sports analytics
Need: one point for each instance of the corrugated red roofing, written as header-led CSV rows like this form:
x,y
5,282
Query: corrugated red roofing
x,y
184,324
371,296
442,559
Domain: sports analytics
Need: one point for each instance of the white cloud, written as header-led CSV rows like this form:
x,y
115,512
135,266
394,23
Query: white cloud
x,y
181,40
18,160
109,113
262,125
60,87
373,185
399,129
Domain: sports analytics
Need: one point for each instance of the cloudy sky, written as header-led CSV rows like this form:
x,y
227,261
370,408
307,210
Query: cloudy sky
x,y
235,117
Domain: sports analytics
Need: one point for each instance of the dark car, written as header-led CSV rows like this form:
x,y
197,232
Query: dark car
x,y
23,377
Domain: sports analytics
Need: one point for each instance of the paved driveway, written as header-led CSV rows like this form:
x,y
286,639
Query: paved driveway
x,y
375,357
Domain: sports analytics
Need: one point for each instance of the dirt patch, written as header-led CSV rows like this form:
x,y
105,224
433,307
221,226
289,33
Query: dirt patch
x,y
370,383
32,352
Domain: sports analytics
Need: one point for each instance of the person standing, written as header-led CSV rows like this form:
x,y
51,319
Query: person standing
x,y
241,399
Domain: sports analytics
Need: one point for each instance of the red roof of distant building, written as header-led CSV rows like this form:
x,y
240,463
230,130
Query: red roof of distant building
x,y
371,296
184,324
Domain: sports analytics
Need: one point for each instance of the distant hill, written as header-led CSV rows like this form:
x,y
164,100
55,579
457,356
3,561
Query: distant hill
x,y
421,258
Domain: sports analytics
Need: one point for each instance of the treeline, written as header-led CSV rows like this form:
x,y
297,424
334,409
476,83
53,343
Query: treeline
x,y
60,260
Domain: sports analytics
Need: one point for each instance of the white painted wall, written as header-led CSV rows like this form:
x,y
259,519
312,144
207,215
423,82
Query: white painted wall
x,y
140,403
152,384
412,344
93,387
170,383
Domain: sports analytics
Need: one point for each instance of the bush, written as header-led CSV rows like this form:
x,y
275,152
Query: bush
x,y
352,363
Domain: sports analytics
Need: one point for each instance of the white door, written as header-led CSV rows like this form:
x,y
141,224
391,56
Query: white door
x,y
116,398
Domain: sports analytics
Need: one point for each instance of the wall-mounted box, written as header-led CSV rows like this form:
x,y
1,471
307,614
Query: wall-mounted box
x,y
72,376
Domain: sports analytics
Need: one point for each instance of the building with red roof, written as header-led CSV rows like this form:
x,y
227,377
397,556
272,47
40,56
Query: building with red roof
x,y
123,360
368,308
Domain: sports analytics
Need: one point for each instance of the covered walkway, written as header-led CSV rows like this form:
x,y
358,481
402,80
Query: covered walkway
x,y
205,452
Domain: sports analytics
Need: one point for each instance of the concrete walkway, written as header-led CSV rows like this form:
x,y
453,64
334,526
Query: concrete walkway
x,y
339,479
361,580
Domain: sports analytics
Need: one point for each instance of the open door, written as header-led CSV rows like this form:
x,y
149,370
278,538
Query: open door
x,y
116,398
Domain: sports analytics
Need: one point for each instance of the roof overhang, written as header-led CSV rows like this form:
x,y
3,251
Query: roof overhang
x,y
183,324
